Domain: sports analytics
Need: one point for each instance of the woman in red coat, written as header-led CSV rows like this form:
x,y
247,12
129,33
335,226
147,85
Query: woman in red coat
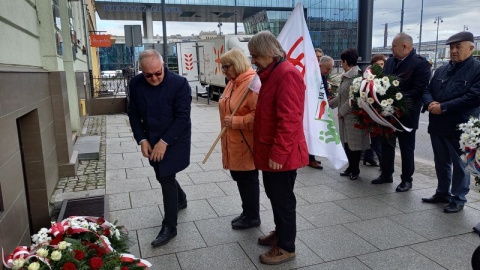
x,y
279,146
237,140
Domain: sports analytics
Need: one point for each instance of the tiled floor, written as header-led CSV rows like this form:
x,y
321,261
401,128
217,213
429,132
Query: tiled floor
x,y
341,224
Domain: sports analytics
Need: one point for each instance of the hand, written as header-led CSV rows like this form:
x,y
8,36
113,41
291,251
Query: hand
x,y
227,121
273,165
158,151
434,108
146,148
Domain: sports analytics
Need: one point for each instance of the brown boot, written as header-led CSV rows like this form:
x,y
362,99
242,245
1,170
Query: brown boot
x,y
268,240
276,255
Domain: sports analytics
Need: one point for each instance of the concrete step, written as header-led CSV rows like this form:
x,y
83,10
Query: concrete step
x,y
88,147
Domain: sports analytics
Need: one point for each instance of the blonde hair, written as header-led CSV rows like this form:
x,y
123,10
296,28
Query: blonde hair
x,y
237,59
264,43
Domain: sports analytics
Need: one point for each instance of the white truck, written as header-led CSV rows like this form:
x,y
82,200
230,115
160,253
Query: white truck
x,y
200,61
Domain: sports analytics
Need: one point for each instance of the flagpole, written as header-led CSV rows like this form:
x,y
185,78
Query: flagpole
x,y
225,128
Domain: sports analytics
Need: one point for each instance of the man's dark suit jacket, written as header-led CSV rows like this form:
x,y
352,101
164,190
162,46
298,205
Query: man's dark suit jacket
x,y
163,112
414,73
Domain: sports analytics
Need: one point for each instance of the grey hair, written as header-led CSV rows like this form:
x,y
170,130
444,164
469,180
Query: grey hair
x,y
405,38
318,50
264,43
325,59
147,54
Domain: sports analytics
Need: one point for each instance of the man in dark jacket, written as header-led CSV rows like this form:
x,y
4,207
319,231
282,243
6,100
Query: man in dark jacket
x,y
414,73
159,113
452,96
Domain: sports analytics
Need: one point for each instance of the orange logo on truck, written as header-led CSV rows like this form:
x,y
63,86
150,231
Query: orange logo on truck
x,y
217,54
188,61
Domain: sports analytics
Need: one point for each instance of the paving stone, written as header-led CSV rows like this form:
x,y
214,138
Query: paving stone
x,y
127,185
368,208
203,191
399,258
138,218
119,201
320,193
141,198
344,264
219,231
169,262
209,177
326,214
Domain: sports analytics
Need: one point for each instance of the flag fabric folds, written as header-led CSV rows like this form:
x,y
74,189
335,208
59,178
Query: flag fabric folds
x,y
320,131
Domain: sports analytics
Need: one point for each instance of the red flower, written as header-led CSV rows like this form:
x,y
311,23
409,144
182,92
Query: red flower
x,y
124,268
69,266
95,263
101,252
107,232
100,220
79,255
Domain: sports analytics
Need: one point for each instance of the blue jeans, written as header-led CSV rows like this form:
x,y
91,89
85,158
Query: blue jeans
x,y
446,152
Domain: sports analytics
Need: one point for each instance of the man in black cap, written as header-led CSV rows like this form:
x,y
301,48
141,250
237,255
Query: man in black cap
x,y
414,73
452,96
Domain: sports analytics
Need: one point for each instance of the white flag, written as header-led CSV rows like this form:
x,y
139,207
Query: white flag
x,y
320,131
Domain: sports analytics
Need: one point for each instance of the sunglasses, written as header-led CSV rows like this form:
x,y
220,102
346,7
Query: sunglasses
x,y
156,74
226,67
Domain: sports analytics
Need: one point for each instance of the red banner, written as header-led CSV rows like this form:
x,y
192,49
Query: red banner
x,y
100,41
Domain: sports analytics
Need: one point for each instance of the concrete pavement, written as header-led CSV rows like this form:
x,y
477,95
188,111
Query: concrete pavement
x,y
342,224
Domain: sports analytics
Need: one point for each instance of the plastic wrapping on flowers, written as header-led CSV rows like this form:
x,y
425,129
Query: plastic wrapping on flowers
x,y
469,144
377,103
77,243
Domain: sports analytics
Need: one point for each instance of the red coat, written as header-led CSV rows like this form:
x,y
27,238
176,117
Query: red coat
x,y
278,128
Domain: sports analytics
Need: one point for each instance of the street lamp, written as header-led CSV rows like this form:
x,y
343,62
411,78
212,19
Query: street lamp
x,y
465,27
220,28
438,20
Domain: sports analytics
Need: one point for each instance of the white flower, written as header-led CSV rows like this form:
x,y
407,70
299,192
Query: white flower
x,y
18,263
396,83
42,252
351,88
389,101
63,245
56,255
363,94
370,77
386,84
355,90
398,96
357,80
381,91
370,100
463,157
384,103
34,266
385,79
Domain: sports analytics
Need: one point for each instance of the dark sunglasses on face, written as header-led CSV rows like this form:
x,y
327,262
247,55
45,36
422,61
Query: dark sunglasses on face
x,y
156,74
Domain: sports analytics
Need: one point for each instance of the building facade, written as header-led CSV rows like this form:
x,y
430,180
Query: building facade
x,y
44,75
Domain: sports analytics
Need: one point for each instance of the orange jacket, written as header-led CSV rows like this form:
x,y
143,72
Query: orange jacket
x,y
236,154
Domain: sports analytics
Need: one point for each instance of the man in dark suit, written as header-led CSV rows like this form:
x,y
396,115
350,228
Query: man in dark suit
x,y
414,73
159,113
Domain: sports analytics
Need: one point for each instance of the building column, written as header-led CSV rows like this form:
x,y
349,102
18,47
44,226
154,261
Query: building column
x,y
68,64
147,19
364,32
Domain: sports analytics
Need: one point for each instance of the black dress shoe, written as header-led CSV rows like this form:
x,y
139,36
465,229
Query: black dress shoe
x,y
453,208
315,164
246,223
164,236
183,204
238,218
345,173
437,198
371,162
404,186
353,176
382,180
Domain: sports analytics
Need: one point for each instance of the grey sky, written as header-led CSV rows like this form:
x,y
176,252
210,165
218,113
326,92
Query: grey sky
x,y
456,14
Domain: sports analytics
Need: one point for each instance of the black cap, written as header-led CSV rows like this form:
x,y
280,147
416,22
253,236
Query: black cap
x,y
459,37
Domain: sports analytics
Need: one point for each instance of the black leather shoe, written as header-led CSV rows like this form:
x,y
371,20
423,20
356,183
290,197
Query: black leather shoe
x,y
453,208
382,180
238,218
164,236
245,223
353,176
404,186
437,198
371,162
345,173
183,204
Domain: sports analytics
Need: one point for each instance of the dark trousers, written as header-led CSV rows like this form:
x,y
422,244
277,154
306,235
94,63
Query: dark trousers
x,y
375,147
249,189
353,160
446,152
406,141
172,196
279,189
311,158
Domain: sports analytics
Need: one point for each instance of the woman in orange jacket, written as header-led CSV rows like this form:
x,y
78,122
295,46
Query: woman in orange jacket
x,y
237,140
